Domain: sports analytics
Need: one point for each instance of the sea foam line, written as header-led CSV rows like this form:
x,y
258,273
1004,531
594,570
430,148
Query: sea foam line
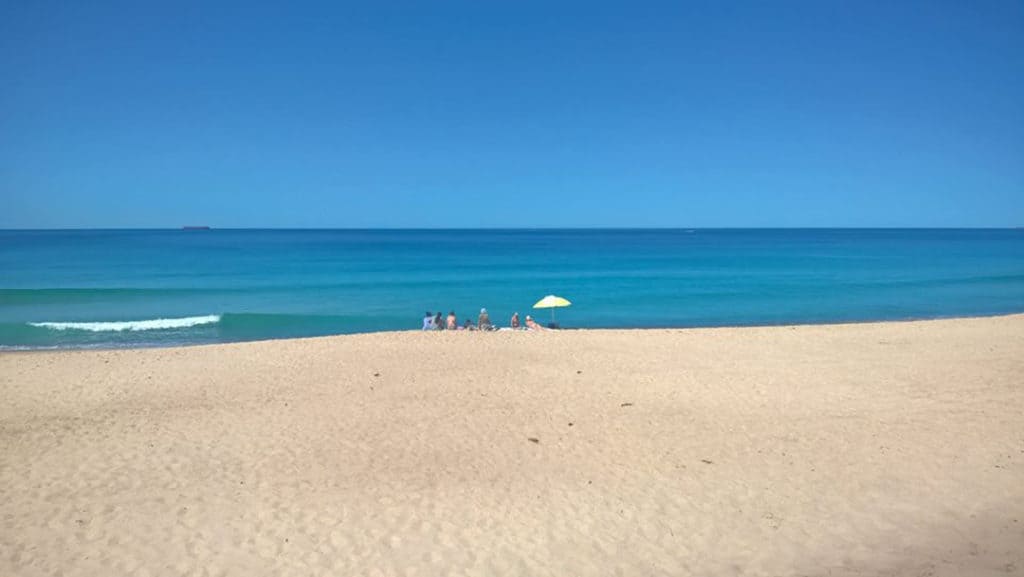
x,y
146,325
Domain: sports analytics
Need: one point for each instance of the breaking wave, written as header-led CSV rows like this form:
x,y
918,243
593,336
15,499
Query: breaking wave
x,y
144,325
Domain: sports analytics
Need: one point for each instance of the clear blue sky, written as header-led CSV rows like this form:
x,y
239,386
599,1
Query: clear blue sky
x,y
482,114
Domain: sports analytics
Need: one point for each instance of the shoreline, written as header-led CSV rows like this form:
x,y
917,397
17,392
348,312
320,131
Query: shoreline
x,y
13,349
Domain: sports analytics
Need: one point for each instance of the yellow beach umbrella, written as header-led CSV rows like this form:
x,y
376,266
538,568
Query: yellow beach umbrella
x,y
551,302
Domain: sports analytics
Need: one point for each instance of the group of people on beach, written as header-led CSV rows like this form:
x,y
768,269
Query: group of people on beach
x,y
438,322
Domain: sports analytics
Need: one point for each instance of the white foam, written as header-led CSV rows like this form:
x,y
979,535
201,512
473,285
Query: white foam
x,y
146,325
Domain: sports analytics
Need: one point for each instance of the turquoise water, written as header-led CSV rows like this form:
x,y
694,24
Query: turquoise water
x,y
152,288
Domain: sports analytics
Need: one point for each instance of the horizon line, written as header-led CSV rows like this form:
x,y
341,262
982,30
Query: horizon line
x,y
198,229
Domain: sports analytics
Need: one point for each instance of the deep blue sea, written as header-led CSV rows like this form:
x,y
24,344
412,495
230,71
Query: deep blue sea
x,y
114,288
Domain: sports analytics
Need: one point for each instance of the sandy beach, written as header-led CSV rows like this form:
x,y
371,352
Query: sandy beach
x,y
865,449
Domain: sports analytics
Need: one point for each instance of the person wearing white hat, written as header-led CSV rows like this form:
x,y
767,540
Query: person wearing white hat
x,y
483,322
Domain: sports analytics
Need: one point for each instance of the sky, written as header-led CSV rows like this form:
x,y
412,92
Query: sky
x,y
511,114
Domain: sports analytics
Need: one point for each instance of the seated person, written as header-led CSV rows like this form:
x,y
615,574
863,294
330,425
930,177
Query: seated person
x,y
484,321
532,324
515,320
453,323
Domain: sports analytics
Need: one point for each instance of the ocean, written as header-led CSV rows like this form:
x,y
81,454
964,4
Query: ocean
x,y
129,288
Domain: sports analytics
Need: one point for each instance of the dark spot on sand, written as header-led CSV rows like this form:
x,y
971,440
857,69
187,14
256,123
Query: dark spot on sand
x,y
533,439
376,374
626,405
706,462
579,372
570,424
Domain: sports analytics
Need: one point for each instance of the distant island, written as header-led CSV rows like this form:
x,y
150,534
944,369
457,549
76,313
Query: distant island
x,y
195,228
